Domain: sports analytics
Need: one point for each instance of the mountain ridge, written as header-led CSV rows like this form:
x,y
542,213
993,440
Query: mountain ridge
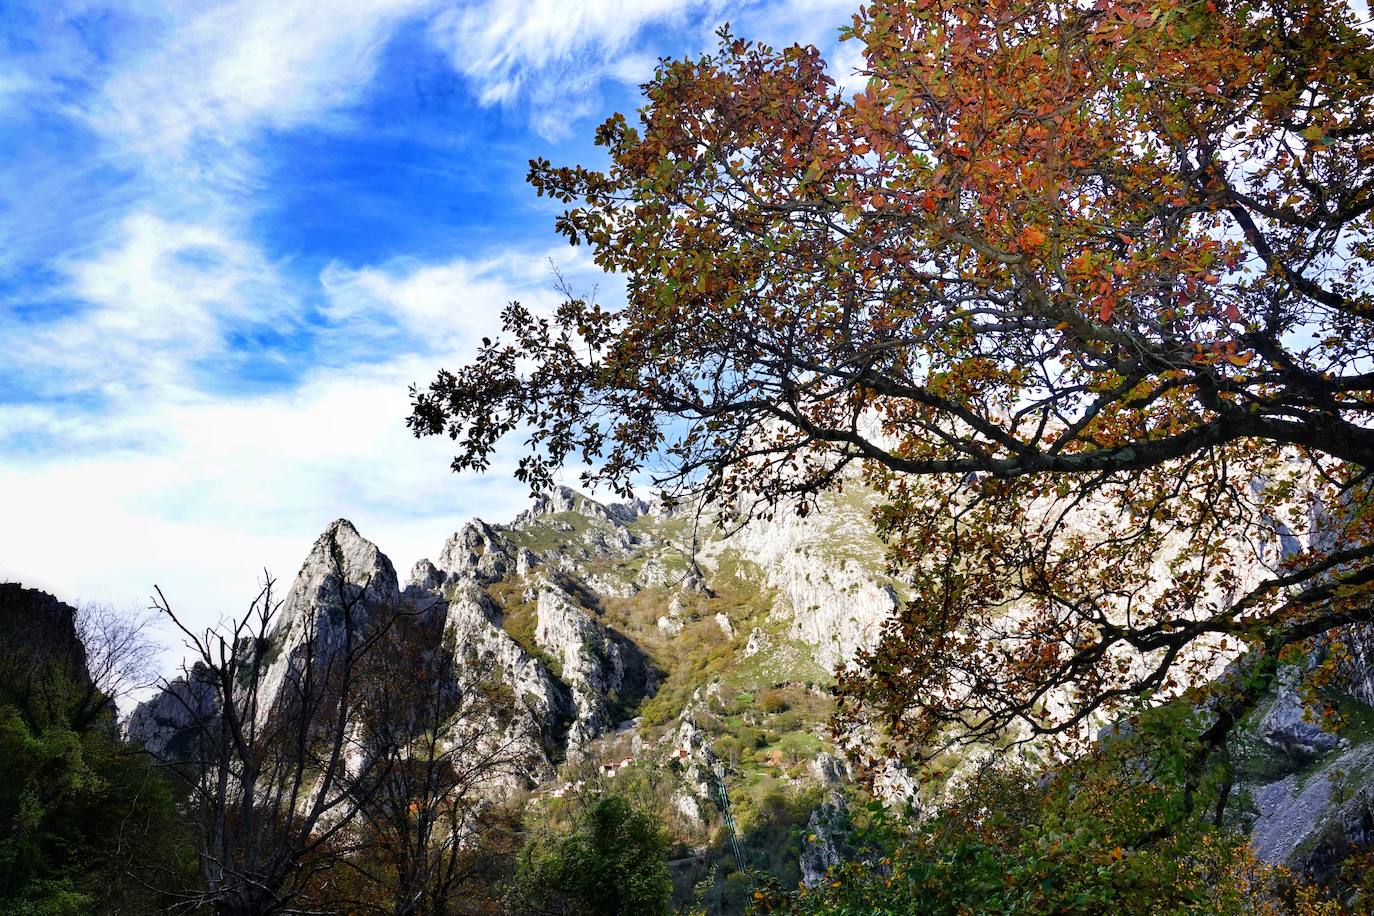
x,y
632,637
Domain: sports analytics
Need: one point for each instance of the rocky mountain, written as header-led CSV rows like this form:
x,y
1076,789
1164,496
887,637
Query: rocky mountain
x,y
639,643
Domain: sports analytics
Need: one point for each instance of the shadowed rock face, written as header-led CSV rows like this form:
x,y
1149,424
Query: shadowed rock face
x,y
1349,827
597,663
1290,726
1358,671
37,626
1311,820
43,669
545,705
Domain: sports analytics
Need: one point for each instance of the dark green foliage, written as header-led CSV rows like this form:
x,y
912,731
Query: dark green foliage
x,y
43,674
84,823
613,862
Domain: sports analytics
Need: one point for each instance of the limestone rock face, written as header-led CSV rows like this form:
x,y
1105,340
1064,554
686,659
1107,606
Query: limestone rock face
x,y
1358,672
1348,827
829,770
472,627
559,499
166,724
1291,728
821,845
425,577
525,561
654,574
834,603
1308,822
477,550
700,761
344,575
566,499
596,664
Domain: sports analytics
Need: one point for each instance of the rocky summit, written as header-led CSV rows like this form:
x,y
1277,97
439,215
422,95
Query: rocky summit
x,y
638,642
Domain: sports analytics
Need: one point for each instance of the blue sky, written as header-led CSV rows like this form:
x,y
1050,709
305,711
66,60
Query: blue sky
x,y
232,234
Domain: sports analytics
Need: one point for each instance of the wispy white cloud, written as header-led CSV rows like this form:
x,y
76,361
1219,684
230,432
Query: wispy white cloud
x,y
438,306
158,296
245,65
553,55
500,43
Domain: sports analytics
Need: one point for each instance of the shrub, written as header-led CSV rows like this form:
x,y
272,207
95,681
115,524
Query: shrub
x,y
613,862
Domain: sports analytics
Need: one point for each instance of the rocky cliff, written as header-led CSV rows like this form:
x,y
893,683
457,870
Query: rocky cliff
x,y
43,671
633,639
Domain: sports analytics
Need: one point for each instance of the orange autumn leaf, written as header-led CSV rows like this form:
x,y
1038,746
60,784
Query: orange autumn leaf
x,y
1031,238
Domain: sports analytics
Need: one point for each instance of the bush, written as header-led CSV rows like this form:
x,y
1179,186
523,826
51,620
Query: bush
x,y
1088,841
613,862
773,700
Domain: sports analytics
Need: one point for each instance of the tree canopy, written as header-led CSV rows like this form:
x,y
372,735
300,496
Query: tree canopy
x,y
1085,291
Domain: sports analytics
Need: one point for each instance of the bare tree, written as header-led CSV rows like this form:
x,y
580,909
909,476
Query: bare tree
x,y
435,827
121,655
273,785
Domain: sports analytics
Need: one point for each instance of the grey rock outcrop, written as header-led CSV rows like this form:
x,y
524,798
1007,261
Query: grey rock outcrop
x,y
565,499
1290,725
599,666
472,628
697,768
1358,670
425,577
167,724
477,550
833,602
821,846
1305,820
1347,828
525,561
345,582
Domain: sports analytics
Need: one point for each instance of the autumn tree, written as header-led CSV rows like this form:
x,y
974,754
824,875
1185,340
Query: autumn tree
x,y
1083,289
